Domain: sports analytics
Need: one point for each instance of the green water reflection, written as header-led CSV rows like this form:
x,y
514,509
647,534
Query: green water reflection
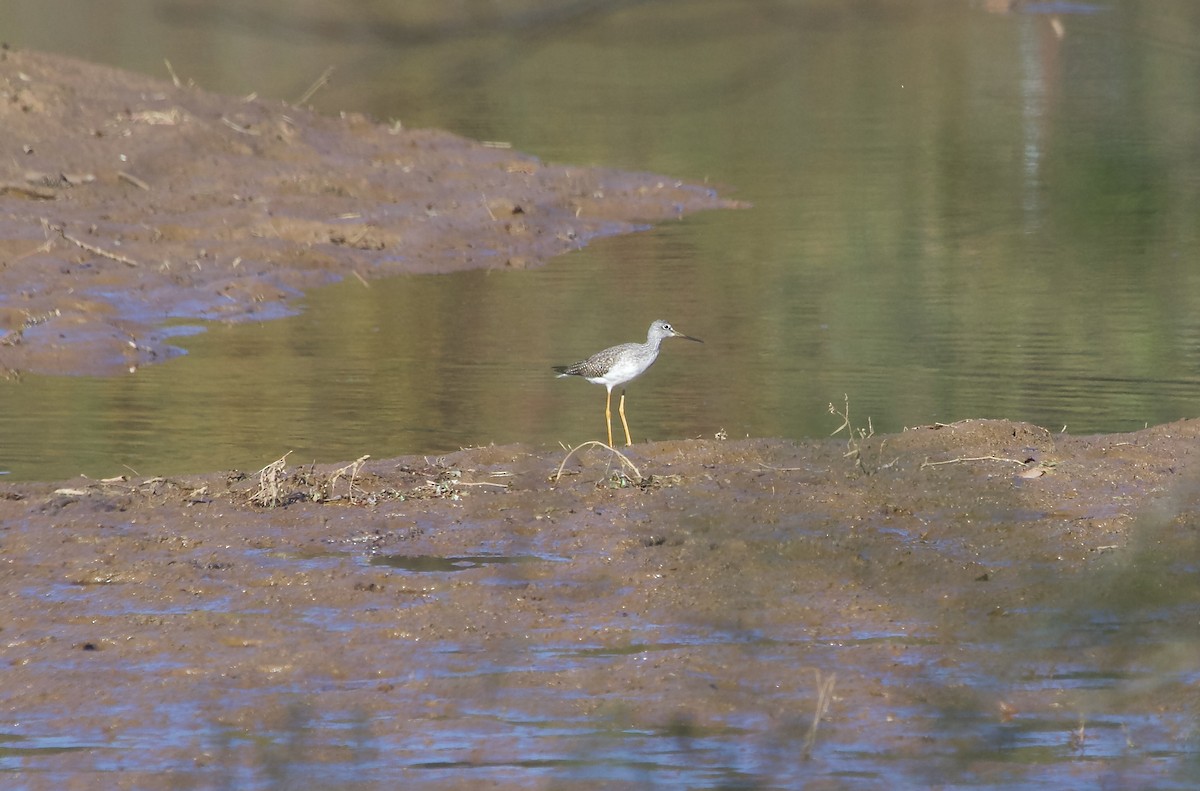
x,y
955,214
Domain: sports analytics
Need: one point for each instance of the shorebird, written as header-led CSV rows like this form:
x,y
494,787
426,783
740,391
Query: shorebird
x,y
617,365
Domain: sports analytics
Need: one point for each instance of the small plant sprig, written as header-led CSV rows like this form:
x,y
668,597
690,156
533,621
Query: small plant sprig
x,y
856,441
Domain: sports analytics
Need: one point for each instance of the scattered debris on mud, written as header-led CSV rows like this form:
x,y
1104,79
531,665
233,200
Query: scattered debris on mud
x,y
130,205
936,608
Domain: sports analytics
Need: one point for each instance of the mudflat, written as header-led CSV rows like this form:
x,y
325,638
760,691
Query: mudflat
x,y
128,203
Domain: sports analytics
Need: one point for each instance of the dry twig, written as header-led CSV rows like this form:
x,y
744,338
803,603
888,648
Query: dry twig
x,y
91,248
269,477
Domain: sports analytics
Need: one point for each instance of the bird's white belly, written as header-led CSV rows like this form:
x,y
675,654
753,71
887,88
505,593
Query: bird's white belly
x,y
622,371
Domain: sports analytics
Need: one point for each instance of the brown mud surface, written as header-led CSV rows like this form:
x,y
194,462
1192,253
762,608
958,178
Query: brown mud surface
x,y
980,603
128,202
441,622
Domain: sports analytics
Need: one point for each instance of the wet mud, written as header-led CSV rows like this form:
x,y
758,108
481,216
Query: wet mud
x,y
981,603
130,206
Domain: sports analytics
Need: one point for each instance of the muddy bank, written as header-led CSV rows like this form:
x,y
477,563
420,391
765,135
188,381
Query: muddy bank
x,y
128,204
984,602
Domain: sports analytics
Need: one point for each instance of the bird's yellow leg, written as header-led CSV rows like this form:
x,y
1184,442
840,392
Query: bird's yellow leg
x,y
621,409
608,416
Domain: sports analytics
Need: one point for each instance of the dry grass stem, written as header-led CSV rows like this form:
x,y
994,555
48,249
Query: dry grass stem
x,y
780,469
857,439
963,459
269,479
824,698
351,471
91,248
317,85
235,126
625,462
44,247
28,191
171,71
132,179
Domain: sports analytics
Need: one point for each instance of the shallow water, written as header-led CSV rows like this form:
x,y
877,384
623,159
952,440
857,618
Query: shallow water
x,y
955,213
504,731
